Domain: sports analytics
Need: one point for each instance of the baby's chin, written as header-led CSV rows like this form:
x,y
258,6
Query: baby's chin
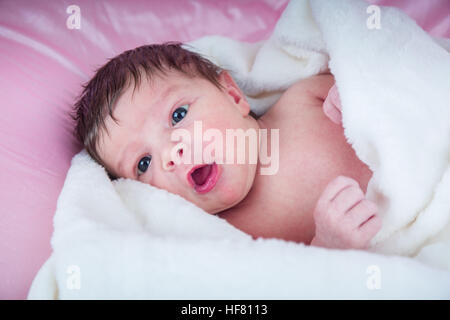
x,y
218,207
229,195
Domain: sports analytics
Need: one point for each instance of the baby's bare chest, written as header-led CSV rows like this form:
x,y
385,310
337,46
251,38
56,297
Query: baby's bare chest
x,y
311,152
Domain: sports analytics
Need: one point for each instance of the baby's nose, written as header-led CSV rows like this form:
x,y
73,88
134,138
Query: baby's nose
x,y
172,157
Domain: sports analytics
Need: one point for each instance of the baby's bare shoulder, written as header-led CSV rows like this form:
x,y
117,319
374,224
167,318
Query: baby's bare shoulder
x,y
304,93
315,86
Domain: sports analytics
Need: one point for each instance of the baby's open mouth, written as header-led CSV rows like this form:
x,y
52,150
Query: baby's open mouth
x,y
203,177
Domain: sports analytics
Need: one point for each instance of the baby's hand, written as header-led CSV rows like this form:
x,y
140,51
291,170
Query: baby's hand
x,y
344,218
332,105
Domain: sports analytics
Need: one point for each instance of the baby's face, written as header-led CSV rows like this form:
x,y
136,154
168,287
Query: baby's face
x,y
141,145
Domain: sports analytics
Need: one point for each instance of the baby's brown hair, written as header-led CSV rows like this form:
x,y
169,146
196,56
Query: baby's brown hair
x,y
99,94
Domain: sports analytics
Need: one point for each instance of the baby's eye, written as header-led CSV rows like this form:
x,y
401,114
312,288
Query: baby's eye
x,y
143,164
179,114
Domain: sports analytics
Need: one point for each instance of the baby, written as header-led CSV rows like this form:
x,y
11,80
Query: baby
x,y
129,111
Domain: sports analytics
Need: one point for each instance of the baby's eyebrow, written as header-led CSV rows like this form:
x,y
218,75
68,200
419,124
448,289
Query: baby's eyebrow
x,y
168,92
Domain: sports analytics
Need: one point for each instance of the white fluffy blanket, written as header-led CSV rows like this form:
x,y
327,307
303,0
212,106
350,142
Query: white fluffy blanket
x,y
125,239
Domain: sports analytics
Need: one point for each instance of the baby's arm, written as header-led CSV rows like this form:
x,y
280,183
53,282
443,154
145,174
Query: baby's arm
x,y
344,219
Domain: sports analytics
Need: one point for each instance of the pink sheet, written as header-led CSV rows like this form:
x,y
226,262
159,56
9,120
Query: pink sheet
x,y
43,64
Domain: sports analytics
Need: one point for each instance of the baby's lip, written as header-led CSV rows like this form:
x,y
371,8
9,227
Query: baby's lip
x,y
208,178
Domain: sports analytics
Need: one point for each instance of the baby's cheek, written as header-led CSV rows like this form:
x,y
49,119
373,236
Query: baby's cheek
x,y
161,182
220,120
230,195
234,184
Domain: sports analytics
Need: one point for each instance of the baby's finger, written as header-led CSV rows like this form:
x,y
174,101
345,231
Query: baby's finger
x,y
331,111
333,188
348,198
334,95
369,229
374,224
361,213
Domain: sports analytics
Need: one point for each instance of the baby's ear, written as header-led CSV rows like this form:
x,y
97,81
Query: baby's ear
x,y
234,92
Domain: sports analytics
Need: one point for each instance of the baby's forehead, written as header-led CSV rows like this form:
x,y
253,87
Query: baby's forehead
x,y
148,92
150,88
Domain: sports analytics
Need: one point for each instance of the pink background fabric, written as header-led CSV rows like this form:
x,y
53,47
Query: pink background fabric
x,y
42,67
